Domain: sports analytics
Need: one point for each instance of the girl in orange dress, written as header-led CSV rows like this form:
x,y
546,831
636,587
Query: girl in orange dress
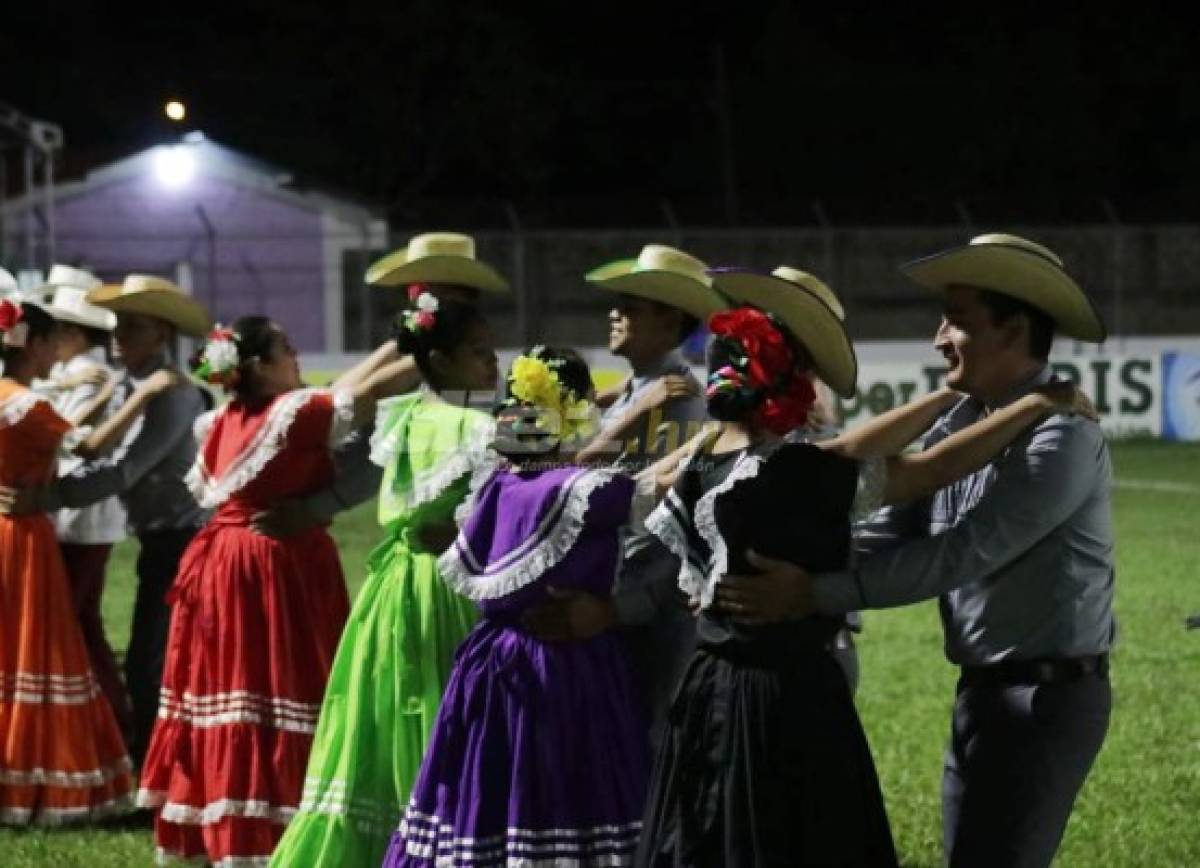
x,y
62,759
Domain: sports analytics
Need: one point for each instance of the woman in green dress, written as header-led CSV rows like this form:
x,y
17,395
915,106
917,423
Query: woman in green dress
x,y
396,652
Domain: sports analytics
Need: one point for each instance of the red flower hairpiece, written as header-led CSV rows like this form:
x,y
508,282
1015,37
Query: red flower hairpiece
x,y
10,314
770,364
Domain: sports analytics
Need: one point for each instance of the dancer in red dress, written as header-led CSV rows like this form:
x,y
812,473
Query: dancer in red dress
x,y
256,620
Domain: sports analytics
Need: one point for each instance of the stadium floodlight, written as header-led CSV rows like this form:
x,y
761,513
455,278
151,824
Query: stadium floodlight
x,y
175,110
174,166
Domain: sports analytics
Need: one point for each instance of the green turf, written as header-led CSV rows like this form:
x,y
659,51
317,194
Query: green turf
x,y
1140,806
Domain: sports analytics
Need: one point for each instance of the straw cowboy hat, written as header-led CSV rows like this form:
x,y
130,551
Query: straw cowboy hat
x,y
665,275
1017,267
65,275
156,297
70,304
437,257
802,303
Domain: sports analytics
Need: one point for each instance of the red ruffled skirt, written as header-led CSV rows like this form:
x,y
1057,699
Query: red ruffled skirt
x,y
254,629
62,759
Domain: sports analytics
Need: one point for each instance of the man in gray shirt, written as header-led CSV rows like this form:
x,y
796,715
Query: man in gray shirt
x,y
664,295
147,472
1020,555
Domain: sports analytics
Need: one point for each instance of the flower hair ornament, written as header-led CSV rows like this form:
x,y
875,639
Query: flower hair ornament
x,y
217,361
760,369
561,415
13,328
423,316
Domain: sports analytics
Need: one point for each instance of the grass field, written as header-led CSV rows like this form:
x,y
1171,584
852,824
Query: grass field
x,y
1141,806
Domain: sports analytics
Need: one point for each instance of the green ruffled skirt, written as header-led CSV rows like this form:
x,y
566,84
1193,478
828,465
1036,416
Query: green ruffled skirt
x,y
392,665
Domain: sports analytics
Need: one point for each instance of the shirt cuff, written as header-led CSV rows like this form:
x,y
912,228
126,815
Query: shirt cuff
x,y
838,592
632,608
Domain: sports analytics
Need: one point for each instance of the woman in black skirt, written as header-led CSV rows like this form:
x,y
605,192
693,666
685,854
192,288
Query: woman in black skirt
x,y
764,761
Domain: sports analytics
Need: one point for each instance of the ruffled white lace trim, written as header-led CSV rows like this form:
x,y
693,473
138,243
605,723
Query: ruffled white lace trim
x,y
468,457
211,492
48,777
483,470
387,441
213,812
334,798
203,425
645,500
747,467
430,837
71,440
342,424
18,406
868,493
663,524
545,548
44,816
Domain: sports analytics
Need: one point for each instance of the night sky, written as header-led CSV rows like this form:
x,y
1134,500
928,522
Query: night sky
x,y
580,115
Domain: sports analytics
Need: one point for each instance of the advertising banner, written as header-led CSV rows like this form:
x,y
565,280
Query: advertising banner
x,y
1127,390
1181,396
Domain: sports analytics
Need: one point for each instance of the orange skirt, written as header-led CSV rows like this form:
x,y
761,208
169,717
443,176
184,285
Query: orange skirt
x,y
62,759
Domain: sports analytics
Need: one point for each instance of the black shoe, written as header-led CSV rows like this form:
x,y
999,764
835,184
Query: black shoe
x,y
142,818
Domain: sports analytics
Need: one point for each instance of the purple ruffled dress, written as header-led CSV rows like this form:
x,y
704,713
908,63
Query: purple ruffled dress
x,y
538,755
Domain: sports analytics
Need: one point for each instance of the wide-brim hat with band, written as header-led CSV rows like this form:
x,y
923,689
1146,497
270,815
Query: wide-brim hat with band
x,y
70,304
437,257
65,275
156,297
787,294
665,275
1017,267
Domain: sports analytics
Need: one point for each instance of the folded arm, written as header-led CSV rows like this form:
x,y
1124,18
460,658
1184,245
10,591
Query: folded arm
x,y
1036,489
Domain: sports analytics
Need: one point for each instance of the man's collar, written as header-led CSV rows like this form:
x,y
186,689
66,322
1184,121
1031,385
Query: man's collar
x,y
664,364
94,354
156,363
1043,376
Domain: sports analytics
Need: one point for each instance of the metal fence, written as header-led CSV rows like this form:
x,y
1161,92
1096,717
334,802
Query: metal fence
x,y
1144,279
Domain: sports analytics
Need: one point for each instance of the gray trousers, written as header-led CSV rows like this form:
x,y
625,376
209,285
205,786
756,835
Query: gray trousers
x,y
1018,757
157,564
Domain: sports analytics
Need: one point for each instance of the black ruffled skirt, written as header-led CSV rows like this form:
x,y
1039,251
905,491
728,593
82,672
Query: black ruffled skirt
x,y
764,765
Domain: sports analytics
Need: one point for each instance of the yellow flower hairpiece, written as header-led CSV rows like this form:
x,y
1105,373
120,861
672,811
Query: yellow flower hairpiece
x,y
533,381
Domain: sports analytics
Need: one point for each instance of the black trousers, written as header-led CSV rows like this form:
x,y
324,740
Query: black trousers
x,y
1017,759
157,564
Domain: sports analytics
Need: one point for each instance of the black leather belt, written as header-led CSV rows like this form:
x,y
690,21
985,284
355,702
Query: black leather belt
x,y
1050,671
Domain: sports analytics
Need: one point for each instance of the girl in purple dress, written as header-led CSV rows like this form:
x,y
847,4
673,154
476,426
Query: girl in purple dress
x,y
537,756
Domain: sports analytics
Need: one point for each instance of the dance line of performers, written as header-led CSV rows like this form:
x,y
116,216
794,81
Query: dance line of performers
x,y
599,629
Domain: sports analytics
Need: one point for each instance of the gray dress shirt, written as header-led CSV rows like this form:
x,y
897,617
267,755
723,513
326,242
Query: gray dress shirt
x,y
684,414
149,468
1020,552
356,478
647,584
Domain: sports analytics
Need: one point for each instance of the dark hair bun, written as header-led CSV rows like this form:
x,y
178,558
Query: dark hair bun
x,y
419,333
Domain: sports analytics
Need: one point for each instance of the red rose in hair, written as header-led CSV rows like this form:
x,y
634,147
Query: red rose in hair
x,y
766,348
10,315
415,290
788,410
424,319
